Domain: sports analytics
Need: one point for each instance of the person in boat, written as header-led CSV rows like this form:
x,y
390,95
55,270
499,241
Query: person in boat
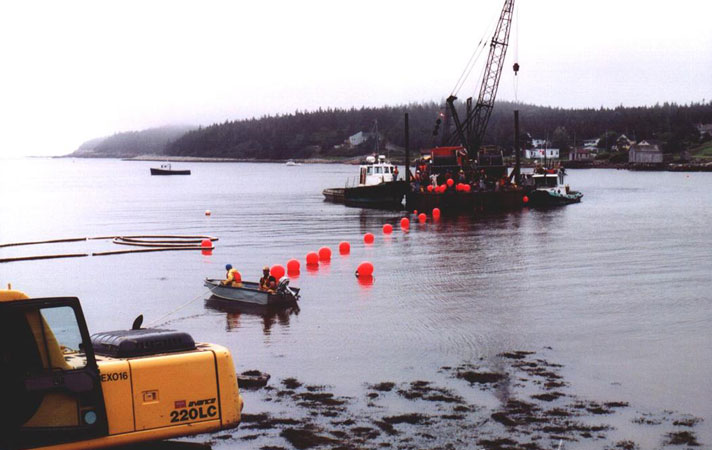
x,y
232,277
268,282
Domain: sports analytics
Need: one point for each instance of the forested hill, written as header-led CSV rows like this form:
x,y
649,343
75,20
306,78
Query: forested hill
x,y
152,141
322,133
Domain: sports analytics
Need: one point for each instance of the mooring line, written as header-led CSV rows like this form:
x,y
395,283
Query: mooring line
x,y
153,323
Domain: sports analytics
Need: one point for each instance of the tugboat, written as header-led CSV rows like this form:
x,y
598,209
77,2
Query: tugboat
x,y
377,186
548,189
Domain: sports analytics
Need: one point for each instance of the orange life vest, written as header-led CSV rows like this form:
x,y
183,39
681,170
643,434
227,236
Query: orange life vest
x,y
236,277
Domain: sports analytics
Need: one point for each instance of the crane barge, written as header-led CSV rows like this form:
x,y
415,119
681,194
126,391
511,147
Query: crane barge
x,y
460,175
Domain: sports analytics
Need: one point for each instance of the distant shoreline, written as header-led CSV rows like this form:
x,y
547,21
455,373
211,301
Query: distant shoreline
x,y
665,167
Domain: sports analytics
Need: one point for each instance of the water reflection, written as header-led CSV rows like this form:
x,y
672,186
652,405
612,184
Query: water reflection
x,y
168,445
235,312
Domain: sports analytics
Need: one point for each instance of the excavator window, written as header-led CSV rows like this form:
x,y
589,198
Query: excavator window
x,y
49,386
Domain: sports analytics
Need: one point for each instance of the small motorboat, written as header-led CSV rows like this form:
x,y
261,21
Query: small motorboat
x,y
166,169
250,293
291,162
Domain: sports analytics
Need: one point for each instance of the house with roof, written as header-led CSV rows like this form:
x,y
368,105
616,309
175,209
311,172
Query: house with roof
x,y
704,128
582,154
623,143
645,153
591,143
542,153
359,138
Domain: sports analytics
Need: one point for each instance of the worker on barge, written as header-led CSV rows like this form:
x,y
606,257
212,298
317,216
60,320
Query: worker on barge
x,y
232,277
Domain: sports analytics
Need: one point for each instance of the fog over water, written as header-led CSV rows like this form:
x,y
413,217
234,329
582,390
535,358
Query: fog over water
x,y
86,69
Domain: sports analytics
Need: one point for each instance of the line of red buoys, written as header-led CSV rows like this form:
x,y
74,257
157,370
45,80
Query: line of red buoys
x,y
277,271
325,254
312,259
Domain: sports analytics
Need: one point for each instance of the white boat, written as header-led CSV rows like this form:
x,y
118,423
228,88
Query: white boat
x,y
291,163
377,186
548,188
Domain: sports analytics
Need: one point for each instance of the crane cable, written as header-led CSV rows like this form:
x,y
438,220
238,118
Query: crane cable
x,y
515,81
469,67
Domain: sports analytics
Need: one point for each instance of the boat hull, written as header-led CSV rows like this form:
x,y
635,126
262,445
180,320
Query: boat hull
x,y
547,198
384,195
250,294
466,202
156,171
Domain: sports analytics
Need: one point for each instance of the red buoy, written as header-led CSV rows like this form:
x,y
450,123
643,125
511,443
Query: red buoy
x,y
368,238
325,254
277,271
436,213
387,228
415,212
405,223
450,182
430,188
365,269
422,217
525,199
466,187
312,259
206,243
344,248
293,267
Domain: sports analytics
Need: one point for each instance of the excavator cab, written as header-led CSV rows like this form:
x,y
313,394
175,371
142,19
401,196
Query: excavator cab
x,y
49,379
62,389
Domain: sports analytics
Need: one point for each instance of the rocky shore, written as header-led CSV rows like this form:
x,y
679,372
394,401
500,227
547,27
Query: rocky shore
x,y
519,401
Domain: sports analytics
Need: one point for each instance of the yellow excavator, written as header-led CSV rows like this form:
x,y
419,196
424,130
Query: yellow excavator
x,y
62,389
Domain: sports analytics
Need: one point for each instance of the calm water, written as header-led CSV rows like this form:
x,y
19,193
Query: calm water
x,y
618,286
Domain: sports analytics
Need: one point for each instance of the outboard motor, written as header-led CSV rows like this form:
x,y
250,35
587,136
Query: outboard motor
x,y
283,288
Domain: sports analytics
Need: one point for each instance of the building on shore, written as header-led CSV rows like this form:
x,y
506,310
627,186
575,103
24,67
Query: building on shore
x,y
645,153
623,143
582,154
704,128
542,153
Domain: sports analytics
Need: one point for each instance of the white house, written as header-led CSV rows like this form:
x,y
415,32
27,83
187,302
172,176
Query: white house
x,y
358,138
539,143
541,153
591,143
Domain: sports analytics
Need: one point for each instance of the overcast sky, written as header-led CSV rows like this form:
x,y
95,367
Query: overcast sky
x,y
74,70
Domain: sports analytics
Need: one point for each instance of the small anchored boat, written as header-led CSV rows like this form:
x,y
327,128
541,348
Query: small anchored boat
x,y
250,293
166,169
